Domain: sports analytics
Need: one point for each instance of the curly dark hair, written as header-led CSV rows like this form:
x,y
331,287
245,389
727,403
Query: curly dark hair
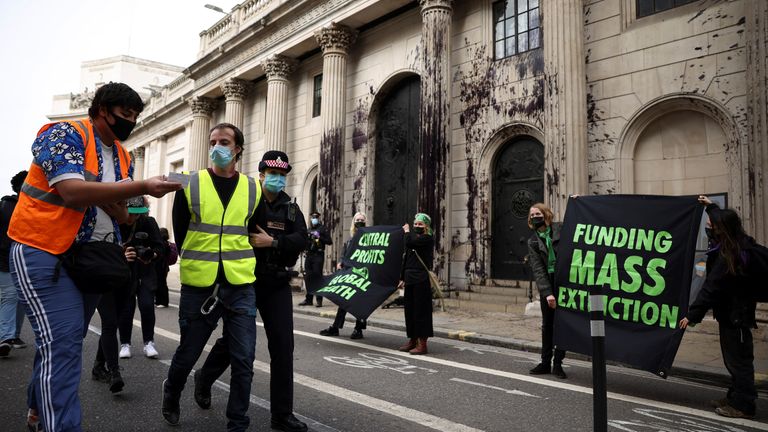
x,y
115,95
239,138
18,180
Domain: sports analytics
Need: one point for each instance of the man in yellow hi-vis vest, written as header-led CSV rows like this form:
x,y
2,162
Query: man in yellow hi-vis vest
x,y
211,221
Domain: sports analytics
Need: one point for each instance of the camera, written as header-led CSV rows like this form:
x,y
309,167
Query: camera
x,y
140,243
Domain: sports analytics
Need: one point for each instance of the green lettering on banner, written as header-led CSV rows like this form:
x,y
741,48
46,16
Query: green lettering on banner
x,y
663,242
653,266
608,273
637,280
578,232
627,302
669,316
582,268
561,296
611,307
654,318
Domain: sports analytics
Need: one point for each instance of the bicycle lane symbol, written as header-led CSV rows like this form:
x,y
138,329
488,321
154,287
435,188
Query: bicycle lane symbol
x,y
378,361
653,420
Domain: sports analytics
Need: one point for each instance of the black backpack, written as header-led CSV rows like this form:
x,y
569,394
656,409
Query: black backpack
x,y
757,269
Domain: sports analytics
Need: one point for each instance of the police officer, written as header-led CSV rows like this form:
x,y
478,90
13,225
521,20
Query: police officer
x,y
280,238
211,220
315,255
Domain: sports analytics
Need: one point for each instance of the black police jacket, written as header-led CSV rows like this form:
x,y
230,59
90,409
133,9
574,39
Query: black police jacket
x,y
283,220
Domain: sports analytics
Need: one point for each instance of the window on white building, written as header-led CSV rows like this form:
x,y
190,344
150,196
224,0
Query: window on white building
x,y
517,27
650,7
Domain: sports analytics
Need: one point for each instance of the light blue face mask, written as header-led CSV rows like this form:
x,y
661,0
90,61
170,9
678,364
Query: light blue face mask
x,y
314,221
220,156
274,183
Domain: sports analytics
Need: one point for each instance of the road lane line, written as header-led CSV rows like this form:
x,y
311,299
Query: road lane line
x,y
540,381
514,392
415,416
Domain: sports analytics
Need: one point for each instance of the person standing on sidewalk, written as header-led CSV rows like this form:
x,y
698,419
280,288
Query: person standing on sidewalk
x,y
319,238
419,252
542,253
727,291
357,222
280,237
72,194
11,315
211,221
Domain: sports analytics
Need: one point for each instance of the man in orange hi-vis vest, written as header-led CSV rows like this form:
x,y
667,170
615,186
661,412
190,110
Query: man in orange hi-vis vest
x,y
75,192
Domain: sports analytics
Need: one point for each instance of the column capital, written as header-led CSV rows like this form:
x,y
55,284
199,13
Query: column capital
x,y
432,5
235,88
138,153
202,105
278,66
335,38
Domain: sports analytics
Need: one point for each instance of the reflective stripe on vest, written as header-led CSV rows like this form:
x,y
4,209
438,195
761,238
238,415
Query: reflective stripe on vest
x,y
41,218
217,234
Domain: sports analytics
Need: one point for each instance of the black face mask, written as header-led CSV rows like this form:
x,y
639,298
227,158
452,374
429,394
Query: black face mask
x,y
537,222
418,230
122,127
359,224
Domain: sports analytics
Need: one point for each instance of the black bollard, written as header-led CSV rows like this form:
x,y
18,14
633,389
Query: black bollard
x,y
597,330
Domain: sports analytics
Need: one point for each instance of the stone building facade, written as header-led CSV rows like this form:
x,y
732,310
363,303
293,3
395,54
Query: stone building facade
x,y
473,110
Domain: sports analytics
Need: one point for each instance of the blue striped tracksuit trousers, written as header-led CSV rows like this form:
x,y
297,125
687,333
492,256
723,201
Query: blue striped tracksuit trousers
x,y
58,313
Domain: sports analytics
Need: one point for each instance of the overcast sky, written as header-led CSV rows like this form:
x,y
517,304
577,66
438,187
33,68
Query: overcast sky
x,y
45,41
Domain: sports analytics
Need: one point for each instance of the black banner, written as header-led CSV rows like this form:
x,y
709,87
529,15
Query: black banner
x,y
641,248
371,270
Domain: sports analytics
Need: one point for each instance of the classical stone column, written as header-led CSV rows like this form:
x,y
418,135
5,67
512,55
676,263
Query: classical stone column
x,y
202,108
277,68
335,41
235,90
757,100
138,163
434,198
565,110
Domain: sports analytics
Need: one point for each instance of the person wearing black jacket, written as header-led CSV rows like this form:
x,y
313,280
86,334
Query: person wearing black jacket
x,y
279,239
144,236
11,310
542,254
419,251
726,291
319,238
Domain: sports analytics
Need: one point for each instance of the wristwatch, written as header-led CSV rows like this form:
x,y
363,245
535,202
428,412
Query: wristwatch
x,y
274,243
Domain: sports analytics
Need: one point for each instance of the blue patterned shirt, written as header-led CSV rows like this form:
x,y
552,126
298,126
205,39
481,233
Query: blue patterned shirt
x,y
60,152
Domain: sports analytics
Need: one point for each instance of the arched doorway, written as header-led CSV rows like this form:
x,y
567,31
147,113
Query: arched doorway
x,y
397,154
517,183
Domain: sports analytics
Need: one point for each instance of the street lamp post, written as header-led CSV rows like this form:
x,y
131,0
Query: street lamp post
x,y
215,8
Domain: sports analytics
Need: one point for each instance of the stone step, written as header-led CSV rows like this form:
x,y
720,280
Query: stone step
x,y
506,283
508,299
502,291
485,307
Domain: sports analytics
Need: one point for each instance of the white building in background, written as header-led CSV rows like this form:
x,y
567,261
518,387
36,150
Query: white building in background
x,y
145,76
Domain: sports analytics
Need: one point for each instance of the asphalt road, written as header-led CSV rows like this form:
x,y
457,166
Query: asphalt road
x,y
366,385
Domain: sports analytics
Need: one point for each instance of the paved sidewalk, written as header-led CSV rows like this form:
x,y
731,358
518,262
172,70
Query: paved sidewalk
x,y
698,356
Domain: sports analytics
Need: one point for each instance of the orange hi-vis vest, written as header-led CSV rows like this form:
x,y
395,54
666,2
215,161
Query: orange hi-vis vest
x,y
41,218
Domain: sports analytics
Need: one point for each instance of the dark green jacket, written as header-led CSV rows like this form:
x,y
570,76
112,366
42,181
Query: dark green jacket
x,y
537,259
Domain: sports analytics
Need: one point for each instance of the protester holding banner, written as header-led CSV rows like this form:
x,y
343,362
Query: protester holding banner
x,y
358,221
727,291
417,262
542,254
319,238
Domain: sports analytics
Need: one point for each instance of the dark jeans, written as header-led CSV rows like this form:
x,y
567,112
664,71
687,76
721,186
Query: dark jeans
x,y
548,334
237,311
161,293
145,293
738,355
274,304
313,276
109,308
341,316
418,309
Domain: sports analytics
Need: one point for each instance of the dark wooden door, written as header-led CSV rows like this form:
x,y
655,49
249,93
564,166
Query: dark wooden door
x,y
397,155
518,182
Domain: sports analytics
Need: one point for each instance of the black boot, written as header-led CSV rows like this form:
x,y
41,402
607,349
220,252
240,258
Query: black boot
x,y
356,334
288,423
202,392
541,369
557,370
115,382
170,407
100,373
330,331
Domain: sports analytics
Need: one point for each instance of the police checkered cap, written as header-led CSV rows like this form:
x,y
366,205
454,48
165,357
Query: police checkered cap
x,y
274,159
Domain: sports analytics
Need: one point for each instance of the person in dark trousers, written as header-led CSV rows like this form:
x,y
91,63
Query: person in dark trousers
x,y
319,237
727,291
11,309
163,263
417,262
211,221
144,236
280,238
358,221
542,253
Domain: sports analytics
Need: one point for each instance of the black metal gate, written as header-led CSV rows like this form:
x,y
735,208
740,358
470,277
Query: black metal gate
x,y
518,182
397,155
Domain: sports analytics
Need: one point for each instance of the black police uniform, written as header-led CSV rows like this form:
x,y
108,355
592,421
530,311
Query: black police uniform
x,y
313,263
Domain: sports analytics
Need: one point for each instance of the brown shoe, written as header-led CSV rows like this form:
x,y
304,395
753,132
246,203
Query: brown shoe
x,y
411,344
421,347
729,411
718,403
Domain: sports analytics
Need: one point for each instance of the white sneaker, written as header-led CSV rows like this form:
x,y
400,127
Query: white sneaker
x,y
150,351
125,351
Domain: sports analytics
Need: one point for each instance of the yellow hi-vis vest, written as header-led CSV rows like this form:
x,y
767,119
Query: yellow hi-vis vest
x,y
217,233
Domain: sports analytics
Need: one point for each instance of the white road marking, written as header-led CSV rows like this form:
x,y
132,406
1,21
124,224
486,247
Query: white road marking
x,y
514,392
415,416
